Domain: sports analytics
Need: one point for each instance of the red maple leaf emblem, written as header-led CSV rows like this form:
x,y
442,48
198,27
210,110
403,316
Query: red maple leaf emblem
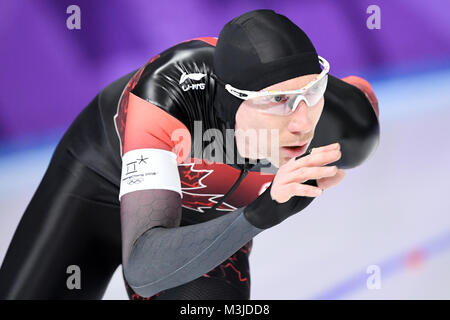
x,y
193,179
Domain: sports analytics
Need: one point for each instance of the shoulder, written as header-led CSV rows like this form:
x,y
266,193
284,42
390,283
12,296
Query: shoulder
x,y
156,104
174,66
350,117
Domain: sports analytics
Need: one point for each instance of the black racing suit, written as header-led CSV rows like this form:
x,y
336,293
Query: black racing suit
x,y
74,217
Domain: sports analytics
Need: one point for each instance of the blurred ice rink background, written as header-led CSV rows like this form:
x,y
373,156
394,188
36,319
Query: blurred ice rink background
x,y
392,212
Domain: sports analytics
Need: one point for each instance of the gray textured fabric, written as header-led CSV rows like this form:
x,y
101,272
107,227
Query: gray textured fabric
x,y
164,258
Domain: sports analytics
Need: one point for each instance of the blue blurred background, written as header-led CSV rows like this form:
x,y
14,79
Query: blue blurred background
x,y
392,212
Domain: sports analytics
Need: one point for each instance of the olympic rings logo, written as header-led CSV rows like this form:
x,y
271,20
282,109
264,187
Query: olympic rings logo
x,y
135,181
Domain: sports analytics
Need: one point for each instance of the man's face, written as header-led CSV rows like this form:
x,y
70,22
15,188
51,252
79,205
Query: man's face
x,y
294,130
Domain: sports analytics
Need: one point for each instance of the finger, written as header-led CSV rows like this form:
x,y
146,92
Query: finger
x,y
333,146
317,159
297,189
328,182
307,173
329,147
304,190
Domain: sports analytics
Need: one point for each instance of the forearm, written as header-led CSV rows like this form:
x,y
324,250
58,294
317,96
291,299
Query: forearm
x,y
163,258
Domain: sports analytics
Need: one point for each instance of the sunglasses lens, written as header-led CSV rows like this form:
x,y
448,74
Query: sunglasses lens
x,y
316,92
271,104
284,104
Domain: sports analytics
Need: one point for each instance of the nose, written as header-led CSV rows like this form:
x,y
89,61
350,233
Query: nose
x,y
300,121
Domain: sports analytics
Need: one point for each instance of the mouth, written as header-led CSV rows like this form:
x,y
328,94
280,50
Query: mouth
x,y
294,150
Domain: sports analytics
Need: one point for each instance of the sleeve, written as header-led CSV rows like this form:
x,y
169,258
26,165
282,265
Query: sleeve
x,y
154,143
164,258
